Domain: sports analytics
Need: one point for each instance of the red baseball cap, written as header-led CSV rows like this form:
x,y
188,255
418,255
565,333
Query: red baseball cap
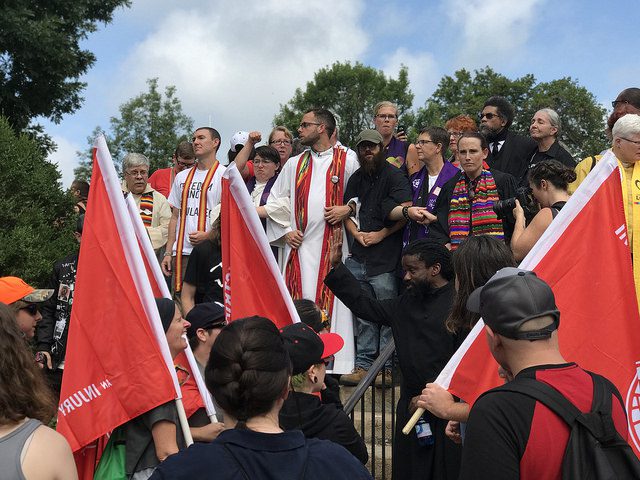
x,y
306,347
13,289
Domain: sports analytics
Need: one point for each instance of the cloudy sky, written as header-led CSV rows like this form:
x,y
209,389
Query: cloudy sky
x,y
235,61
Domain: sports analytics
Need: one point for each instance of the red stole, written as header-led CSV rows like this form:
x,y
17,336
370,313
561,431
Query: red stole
x,y
334,196
202,217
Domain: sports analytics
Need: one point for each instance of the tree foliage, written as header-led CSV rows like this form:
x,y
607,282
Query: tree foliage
x,y
350,92
465,93
40,57
149,123
37,217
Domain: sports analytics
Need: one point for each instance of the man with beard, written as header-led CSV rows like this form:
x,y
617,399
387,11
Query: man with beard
x,y
628,101
508,152
313,183
422,343
373,191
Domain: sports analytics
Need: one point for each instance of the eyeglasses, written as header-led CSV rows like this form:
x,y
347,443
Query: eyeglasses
x,y
386,116
185,164
304,125
138,173
635,142
455,134
489,115
31,308
263,161
281,142
422,143
615,103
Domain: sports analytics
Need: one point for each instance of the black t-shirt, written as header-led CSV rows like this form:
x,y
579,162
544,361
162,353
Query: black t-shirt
x,y
378,193
204,271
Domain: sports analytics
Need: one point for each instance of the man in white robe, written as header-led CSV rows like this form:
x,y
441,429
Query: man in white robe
x,y
315,132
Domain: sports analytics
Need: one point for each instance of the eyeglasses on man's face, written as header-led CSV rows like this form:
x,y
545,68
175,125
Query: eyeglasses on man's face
x,y
489,115
305,125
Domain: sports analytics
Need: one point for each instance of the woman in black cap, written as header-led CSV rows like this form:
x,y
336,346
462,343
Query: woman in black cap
x,y
156,434
310,353
248,373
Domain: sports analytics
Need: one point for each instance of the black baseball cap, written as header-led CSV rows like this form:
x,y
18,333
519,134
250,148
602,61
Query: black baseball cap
x,y
511,298
306,347
205,315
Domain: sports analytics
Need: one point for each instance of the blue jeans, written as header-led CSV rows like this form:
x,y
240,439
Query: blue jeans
x,y
372,338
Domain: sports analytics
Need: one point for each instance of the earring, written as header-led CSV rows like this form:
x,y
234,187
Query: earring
x,y
315,379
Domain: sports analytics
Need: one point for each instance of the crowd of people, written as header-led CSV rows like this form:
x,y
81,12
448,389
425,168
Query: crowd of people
x,y
410,241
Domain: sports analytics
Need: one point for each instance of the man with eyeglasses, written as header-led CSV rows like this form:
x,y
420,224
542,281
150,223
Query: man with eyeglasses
x,y
25,301
398,151
153,206
508,152
313,184
183,158
628,101
626,148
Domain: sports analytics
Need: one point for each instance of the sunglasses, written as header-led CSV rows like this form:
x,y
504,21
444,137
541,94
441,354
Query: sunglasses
x,y
31,308
489,115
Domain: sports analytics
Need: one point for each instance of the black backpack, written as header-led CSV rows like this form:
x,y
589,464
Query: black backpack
x,y
595,450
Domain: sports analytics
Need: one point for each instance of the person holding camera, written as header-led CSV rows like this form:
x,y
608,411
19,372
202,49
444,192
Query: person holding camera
x,y
549,181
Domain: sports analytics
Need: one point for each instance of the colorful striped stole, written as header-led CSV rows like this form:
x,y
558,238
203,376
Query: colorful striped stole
x,y
146,208
202,217
334,196
476,217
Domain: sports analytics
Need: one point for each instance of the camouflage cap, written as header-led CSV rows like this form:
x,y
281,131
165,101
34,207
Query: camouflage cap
x,y
13,289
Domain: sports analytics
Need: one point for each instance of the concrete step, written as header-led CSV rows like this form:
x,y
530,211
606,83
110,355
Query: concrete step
x,y
380,473
378,424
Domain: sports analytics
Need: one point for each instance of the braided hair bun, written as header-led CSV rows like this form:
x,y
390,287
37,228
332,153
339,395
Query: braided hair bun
x,y
248,368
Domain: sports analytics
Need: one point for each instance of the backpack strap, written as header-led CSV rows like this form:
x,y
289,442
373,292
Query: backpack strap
x,y
598,421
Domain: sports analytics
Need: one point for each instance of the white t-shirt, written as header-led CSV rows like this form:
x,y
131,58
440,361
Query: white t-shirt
x,y
432,181
193,202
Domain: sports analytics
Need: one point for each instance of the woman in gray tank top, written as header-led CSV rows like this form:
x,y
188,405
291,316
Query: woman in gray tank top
x,y
28,449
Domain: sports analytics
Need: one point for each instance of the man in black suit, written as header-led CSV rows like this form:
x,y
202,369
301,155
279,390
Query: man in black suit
x,y
508,152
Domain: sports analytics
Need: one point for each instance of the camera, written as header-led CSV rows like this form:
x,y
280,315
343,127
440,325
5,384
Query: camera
x,y
504,208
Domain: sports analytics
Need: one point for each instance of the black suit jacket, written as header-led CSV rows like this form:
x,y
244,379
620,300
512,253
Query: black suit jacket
x,y
514,156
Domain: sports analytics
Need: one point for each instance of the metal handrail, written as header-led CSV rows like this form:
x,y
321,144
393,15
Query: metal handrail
x,y
370,377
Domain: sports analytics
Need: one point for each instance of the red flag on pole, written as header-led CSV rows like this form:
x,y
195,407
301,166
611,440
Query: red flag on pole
x,y
116,367
194,392
584,256
253,284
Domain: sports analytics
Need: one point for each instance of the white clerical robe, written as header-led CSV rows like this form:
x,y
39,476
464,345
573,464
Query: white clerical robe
x,y
283,191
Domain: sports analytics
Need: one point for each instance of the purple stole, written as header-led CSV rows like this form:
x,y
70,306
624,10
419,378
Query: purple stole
x,y
418,186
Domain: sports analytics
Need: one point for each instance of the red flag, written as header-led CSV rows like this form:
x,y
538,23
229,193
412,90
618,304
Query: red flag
x,y
117,367
253,284
584,256
194,392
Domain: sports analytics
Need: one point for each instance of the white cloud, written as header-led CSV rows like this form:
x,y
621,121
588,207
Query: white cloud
x,y
237,65
424,74
65,158
491,31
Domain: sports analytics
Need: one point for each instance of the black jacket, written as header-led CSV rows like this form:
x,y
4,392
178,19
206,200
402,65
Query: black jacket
x,y
304,411
51,334
514,156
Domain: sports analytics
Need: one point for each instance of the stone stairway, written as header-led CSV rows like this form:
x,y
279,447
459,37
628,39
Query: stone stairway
x,y
382,426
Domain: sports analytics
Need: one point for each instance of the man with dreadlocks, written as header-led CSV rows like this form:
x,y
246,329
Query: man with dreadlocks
x,y
422,343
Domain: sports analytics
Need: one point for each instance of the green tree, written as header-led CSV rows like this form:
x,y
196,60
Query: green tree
x,y
350,92
41,60
37,217
149,123
465,93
